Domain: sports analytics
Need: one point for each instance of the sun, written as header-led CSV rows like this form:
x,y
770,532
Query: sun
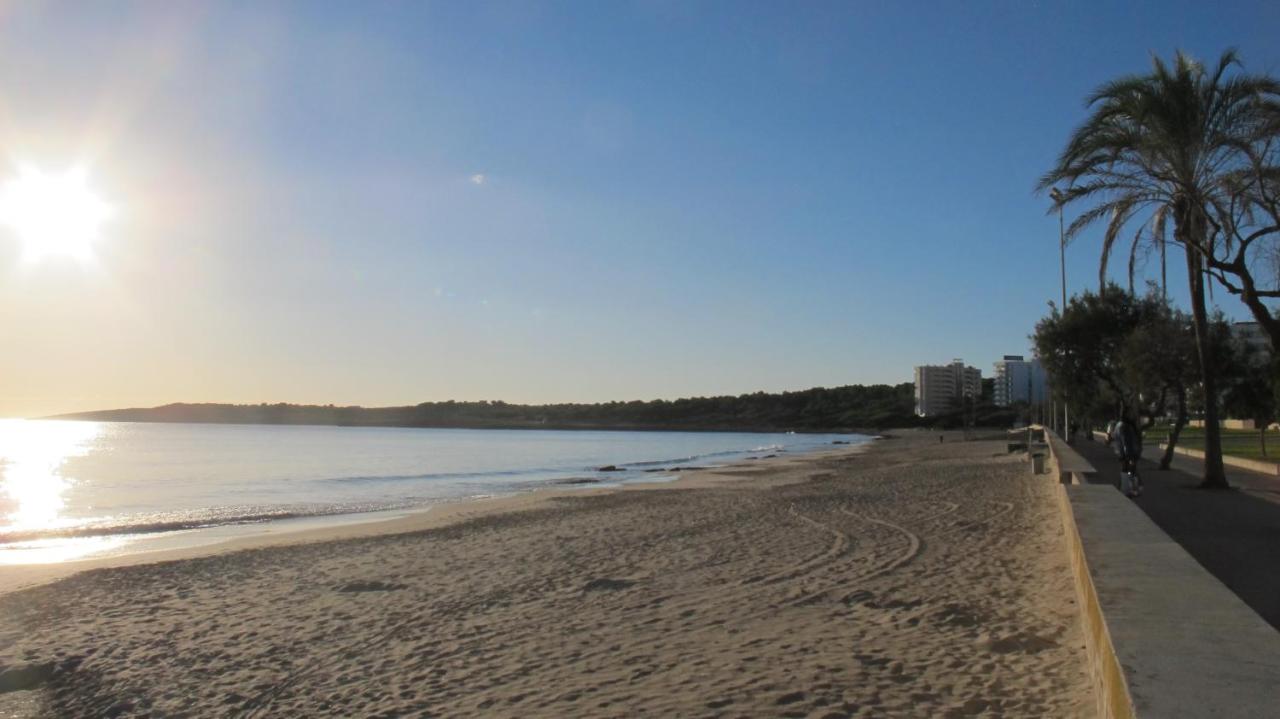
x,y
53,215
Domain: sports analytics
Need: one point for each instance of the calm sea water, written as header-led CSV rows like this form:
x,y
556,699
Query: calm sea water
x,y
76,489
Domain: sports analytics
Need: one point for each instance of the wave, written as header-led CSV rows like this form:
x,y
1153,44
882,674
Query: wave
x,y
693,458
200,519
435,475
539,471
660,462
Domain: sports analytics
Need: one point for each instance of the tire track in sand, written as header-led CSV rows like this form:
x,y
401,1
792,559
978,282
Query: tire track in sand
x,y
915,545
908,555
911,551
839,546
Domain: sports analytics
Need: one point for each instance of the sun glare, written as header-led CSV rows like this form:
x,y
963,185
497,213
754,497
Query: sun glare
x,y
53,215
32,478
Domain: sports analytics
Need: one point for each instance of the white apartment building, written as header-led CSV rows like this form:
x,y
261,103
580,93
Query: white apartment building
x,y
939,386
1019,380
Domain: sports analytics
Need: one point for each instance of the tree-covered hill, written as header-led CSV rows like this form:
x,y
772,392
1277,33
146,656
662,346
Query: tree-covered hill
x,y
847,408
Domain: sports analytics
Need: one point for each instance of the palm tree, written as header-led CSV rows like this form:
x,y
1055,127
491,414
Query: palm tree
x,y
1159,149
1149,237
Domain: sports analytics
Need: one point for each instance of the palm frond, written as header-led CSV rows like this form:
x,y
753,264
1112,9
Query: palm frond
x,y
1121,211
1179,136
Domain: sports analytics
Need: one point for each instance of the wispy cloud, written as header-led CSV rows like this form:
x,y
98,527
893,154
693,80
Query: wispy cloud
x,y
478,178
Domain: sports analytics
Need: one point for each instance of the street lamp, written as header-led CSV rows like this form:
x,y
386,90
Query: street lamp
x,y
1058,197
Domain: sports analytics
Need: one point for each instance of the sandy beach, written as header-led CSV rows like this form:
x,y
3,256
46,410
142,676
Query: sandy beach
x,y
910,579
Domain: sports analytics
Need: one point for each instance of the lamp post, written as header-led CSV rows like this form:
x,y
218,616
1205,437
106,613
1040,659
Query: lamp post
x,y
1058,196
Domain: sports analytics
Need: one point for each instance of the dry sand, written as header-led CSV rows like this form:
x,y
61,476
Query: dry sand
x,y
914,579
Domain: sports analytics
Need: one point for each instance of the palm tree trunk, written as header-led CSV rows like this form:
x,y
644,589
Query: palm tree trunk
x,y
1164,276
1215,476
1178,424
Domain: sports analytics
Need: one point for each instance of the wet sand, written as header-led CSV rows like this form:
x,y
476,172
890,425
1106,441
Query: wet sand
x,y
912,579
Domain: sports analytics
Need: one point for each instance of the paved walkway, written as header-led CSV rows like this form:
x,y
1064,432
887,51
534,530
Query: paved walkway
x,y
1234,534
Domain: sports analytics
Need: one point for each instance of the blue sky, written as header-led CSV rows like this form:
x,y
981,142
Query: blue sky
x,y
383,203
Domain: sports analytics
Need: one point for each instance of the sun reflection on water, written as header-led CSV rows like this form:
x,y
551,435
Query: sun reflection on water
x,y
33,484
49,551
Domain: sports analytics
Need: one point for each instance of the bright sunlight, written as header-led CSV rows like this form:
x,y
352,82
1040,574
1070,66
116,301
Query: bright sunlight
x,y
53,215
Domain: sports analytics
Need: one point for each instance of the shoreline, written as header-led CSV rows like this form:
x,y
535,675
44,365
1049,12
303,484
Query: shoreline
x,y
910,578
338,527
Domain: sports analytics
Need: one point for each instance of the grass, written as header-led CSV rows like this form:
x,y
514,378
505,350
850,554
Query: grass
x,y
1241,443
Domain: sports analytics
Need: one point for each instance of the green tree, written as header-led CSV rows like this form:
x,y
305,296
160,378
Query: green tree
x,y
1159,149
1118,351
1253,395
1159,360
1081,346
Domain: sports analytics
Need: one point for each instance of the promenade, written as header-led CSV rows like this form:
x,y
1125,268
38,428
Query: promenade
x,y
1233,533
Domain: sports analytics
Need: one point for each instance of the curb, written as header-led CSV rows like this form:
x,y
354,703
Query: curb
x,y
1114,700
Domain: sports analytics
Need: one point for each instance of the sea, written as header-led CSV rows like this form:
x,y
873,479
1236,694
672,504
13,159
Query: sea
x,y
74,490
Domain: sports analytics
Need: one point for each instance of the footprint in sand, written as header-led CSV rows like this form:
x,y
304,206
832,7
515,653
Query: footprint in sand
x,y
1020,643
370,586
605,584
958,615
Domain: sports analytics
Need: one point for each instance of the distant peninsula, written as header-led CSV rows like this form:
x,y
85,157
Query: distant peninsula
x,y
838,409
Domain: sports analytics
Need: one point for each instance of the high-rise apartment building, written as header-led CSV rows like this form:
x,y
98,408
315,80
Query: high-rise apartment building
x,y
939,387
1019,380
